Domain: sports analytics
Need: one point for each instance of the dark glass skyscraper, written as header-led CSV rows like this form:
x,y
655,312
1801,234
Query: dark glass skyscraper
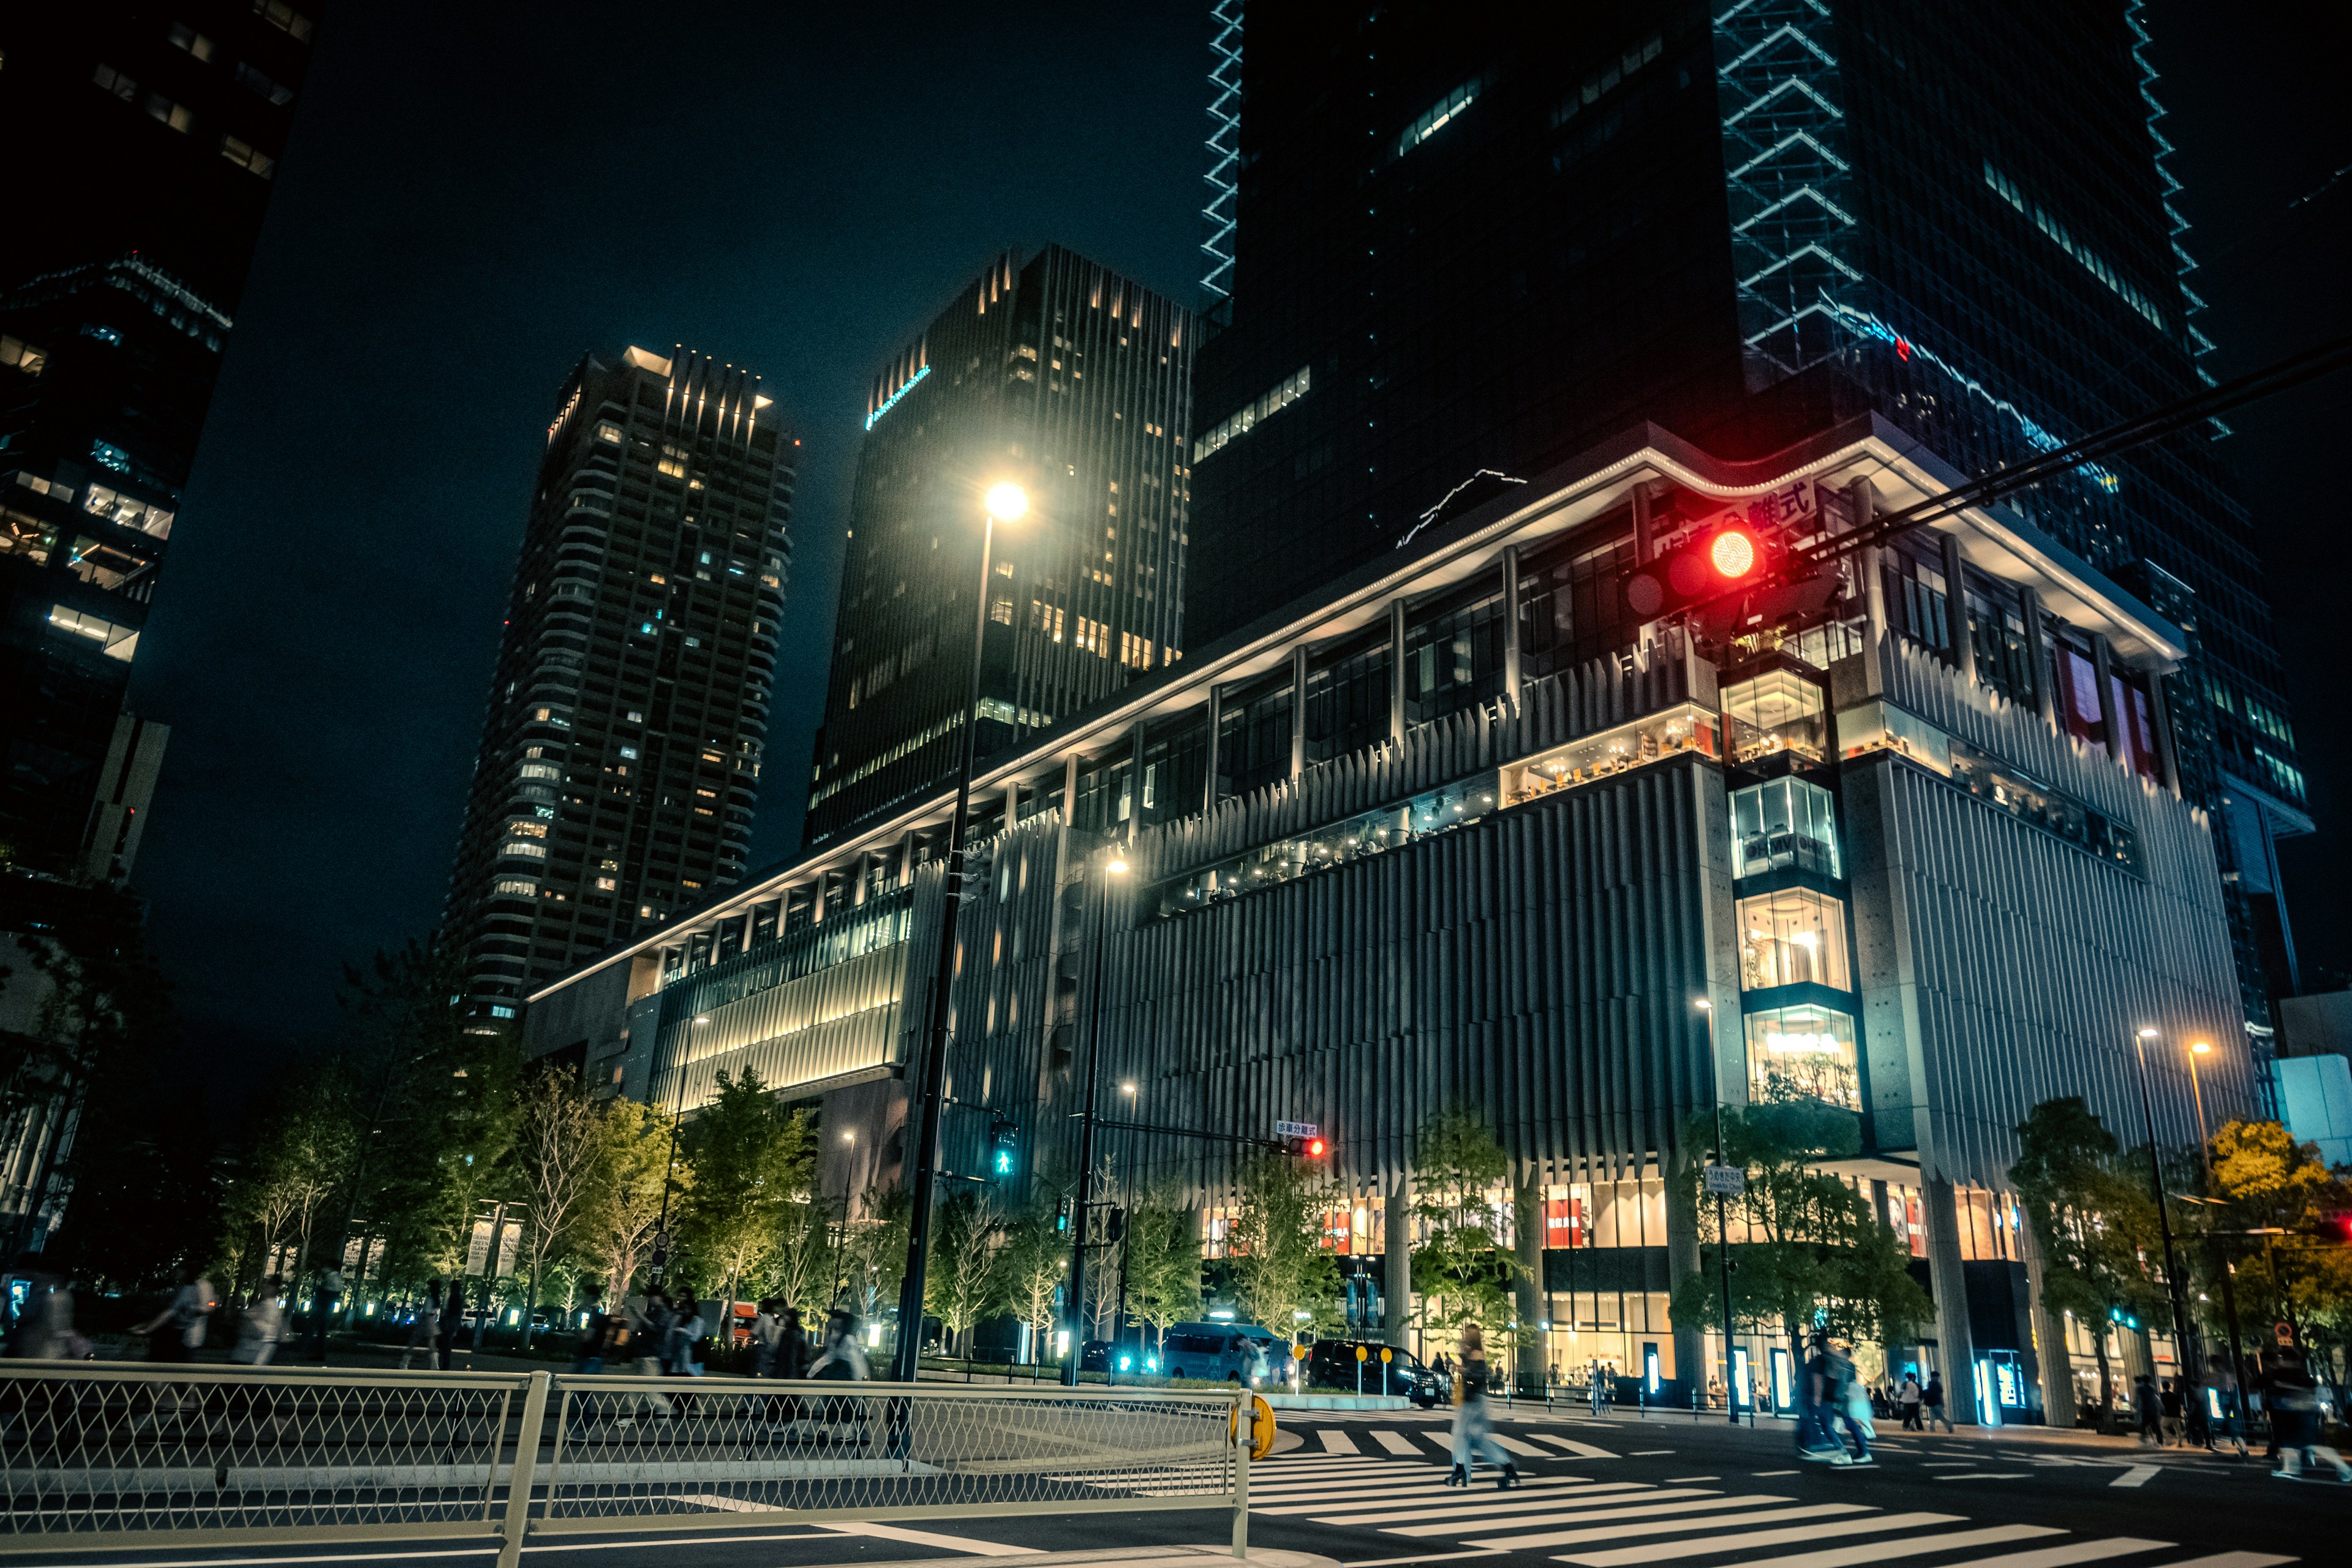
x,y
1060,375
143,148
1467,237
620,759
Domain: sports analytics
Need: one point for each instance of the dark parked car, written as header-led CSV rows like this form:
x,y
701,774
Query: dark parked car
x,y
1134,1360
1331,1363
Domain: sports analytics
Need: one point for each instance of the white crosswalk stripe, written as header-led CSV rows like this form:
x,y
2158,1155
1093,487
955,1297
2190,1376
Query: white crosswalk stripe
x,y
1533,1497
1336,1441
1833,1557
1581,1450
1395,1442
1567,1506
1527,1450
2075,1551
1779,1523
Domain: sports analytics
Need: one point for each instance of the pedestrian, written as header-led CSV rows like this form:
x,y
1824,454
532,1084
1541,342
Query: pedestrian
x,y
1593,1384
1850,1403
422,1327
261,1323
2148,1405
678,1346
588,1356
177,1332
2222,1384
1816,1439
1474,1431
2175,1434
1932,1398
842,1361
2292,1396
1906,1399
327,1285
452,1316
43,1326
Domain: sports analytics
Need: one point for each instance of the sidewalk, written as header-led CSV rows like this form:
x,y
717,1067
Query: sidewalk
x,y
1140,1557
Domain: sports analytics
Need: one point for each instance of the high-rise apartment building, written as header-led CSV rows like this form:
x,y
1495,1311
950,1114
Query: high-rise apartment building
x,y
620,760
1467,238
144,145
1060,375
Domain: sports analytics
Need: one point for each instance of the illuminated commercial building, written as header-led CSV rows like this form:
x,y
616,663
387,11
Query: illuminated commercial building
x,y
1458,238
1059,374
621,757
1457,831
144,150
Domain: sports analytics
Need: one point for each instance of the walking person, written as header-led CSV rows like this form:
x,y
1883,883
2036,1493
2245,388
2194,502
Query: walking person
x,y
1474,1432
422,1327
2292,1396
842,1361
2148,1405
2175,1409
177,1332
1850,1401
588,1356
452,1316
43,1329
1932,1397
258,1329
2230,1422
1907,1399
1593,1384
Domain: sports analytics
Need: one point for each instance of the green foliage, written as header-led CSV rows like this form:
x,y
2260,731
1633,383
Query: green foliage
x,y
2093,1219
1036,1262
1461,1272
2267,1181
873,1252
966,1278
558,1161
1807,1248
750,1158
616,1224
1163,1263
1277,1261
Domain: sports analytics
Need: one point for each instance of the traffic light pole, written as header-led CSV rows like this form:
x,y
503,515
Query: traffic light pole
x,y
1077,1315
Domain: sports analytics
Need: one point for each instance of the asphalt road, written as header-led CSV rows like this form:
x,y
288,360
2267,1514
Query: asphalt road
x,y
1665,1492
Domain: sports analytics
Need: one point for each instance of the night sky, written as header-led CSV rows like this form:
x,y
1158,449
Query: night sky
x,y
476,196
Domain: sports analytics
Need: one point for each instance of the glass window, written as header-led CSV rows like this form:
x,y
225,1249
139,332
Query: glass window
x,y
1882,727
1685,727
1805,1053
1778,710
1793,937
1785,825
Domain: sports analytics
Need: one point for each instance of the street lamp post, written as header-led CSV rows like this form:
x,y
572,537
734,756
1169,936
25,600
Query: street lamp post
x,y
2222,1263
2163,1220
1111,867
1722,1225
1005,503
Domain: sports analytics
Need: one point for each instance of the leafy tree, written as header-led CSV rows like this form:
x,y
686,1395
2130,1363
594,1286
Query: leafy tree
x,y
800,1261
1807,1249
1461,1272
624,1204
2267,1181
1163,1264
559,1152
966,1277
1277,1261
874,1254
750,1157
2094,1220
1036,1262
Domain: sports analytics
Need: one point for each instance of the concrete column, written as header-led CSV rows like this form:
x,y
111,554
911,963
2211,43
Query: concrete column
x,y
858,878
1956,609
1948,1282
1209,754
1682,1262
1299,710
1527,1290
2111,724
1012,805
1862,502
1396,669
1396,1271
1644,545
1511,623
2159,714
2037,650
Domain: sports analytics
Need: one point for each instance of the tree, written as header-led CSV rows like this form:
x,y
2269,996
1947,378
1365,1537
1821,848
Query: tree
x,y
2094,1220
1461,1270
1163,1264
801,1261
966,1277
1807,1250
874,1254
623,1203
750,1157
1036,1262
2267,1181
1278,1263
559,1151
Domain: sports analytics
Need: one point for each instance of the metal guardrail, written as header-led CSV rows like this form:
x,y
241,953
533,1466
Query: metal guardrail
x,y
97,1457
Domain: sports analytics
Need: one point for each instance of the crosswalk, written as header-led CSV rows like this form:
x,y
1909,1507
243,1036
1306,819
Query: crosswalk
x,y
1393,1482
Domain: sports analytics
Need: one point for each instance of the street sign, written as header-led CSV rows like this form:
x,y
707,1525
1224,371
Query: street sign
x,y
1296,1130
1725,1181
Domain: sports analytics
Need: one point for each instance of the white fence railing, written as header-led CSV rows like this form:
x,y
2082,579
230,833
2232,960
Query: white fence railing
x,y
96,1456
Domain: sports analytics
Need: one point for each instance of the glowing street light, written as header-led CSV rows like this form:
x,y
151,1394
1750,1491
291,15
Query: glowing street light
x,y
1007,502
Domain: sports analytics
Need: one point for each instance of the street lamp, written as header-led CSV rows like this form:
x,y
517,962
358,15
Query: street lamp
x,y
2222,1264
1114,866
1722,1225
2181,1346
1004,502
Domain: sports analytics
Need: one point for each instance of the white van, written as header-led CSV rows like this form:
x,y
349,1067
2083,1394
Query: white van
x,y
1219,1353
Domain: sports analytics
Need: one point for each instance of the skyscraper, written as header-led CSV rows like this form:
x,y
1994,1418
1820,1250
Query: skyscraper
x,y
620,760
1060,375
144,146
1476,241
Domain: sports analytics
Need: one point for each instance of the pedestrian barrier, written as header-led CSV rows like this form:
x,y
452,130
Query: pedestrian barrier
x,y
95,1456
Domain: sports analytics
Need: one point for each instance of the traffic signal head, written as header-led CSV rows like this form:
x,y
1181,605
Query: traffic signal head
x,y
1305,1146
1003,1146
1730,555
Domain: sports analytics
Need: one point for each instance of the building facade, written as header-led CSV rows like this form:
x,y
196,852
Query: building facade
x,y
1480,241
621,756
1057,374
1456,833
150,142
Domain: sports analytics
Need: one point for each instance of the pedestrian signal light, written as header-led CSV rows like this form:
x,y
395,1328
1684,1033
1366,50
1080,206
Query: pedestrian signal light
x,y
1062,1216
1004,1139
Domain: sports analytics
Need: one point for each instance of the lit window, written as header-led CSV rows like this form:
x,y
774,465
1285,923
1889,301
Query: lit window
x,y
16,351
284,17
117,82
178,116
1784,824
186,37
630,752
533,851
103,501
539,712
606,884
244,155
500,1010
1778,710
528,829
636,716
1805,1051
518,889
1792,937
114,641
608,431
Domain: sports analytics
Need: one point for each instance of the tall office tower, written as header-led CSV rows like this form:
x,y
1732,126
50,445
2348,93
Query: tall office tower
x,y
1060,375
142,147
620,761
1468,239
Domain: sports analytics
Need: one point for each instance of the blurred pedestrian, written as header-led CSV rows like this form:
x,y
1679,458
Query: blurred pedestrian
x,y
1932,1399
589,1355
2148,1407
1907,1399
422,1327
43,1329
453,1318
2292,1396
2175,1412
259,1328
1474,1430
842,1360
2222,1384
177,1332
327,1287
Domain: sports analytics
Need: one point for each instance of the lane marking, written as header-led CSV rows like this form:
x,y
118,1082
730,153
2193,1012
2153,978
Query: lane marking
x,y
1337,1442
931,1538
1581,1450
1648,1453
1849,1556
1504,1513
2138,1476
1678,1481
1396,1443
1433,1557
1987,1476
2235,1559
1668,1551
1554,1494
1780,1473
2078,1551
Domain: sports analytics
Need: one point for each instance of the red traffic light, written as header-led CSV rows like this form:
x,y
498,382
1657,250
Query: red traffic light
x,y
1726,556
1315,1148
